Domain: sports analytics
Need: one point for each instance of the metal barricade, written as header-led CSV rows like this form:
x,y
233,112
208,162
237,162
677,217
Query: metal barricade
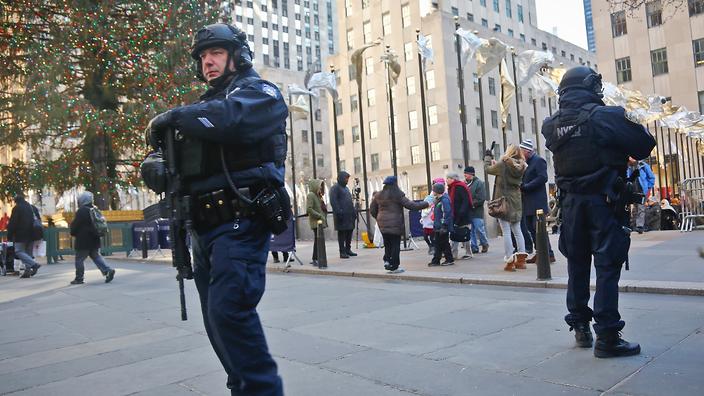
x,y
692,200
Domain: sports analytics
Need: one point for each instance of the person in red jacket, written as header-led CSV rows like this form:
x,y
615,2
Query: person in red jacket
x,y
461,202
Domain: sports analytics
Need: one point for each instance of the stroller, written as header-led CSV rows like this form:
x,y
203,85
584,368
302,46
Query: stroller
x,y
7,258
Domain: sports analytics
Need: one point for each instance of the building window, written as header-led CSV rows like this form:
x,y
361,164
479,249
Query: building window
x,y
701,102
318,137
618,23
367,31
509,13
698,50
482,3
470,17
475,82
658,59
321,161
375,162
340,137
306,162
405,15
433,115
415,155
497,27
521,125
355,134
373,130
371,97
408,51
318,115
352,71
509,123
353,103
386,23
523,37
492,86
496,5
542,101
357,165
430,79
412,119
510,32
304,136
455,11
410,86
623,70
519,12
338,107
478,112
563,54
533,125
369,65
435,151
350,40
653,13
696,7
494,119
485,23
342,165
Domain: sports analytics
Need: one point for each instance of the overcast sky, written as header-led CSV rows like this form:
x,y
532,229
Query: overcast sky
x,y
565,15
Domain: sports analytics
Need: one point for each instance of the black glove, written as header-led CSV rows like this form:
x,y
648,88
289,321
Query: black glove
x,y
157,127
153,171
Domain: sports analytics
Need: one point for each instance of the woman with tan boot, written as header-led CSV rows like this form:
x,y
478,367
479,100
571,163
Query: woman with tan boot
x,y
509,174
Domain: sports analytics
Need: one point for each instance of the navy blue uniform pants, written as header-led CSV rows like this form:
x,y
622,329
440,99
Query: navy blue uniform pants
x,y
230,273
590,228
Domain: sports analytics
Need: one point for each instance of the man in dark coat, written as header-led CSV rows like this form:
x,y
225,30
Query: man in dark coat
x,y
461,202
344,214
20,230
478,193
87,240
533,196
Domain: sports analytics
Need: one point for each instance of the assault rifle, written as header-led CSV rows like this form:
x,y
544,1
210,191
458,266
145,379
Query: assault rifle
x,y
178,206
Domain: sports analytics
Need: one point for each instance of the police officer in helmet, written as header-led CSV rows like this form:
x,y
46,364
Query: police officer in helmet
x,y
231,150
591,144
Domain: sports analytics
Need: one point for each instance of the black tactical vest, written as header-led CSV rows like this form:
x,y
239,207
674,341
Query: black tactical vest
x,y
574,146
201,159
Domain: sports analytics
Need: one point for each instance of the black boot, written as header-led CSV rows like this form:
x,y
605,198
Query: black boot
x,y
612,345
351,253
583,334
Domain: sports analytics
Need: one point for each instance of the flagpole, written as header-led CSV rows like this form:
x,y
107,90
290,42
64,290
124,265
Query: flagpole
x,y
689,156
334,123
364,155
293,160
312,134
463,108
657,158
501,102
668,161
394,164
518,103
537,133
685,172
425,123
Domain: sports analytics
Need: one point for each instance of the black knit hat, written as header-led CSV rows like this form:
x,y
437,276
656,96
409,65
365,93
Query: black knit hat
x,y
469,169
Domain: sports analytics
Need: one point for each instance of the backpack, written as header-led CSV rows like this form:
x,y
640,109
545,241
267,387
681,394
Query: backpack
x,y
100,224
37,227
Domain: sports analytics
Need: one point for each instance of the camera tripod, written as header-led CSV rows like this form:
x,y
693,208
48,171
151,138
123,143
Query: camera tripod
x,y
358,210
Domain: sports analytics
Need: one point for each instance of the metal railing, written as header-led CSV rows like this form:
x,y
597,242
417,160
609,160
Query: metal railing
x,y
692,200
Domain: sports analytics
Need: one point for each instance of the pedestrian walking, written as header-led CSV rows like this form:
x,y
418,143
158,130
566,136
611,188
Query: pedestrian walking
x,y
443,225
317,212
87,240
25,227
509,175
591,143
643,179
476,214
233,146
344,215
461,203
533,197
275,255
387,208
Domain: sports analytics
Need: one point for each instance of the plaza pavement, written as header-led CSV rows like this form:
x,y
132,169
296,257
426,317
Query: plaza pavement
x,y
338,336
665,262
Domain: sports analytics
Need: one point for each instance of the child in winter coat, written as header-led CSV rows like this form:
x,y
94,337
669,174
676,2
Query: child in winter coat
x,y
442,226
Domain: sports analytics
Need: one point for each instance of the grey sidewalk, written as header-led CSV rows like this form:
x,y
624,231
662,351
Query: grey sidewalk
x,y
334,336
664,262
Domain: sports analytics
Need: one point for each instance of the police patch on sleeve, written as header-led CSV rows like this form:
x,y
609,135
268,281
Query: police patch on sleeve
x,y
269,90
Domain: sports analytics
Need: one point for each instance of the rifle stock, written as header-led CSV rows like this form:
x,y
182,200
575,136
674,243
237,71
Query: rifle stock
x,y
178,206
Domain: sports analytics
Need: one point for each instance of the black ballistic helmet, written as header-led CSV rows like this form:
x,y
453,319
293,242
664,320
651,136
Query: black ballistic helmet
x,y
226,36
581,77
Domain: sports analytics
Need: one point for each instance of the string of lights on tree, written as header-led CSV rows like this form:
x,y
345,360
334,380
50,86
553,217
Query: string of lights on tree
x,y
80,81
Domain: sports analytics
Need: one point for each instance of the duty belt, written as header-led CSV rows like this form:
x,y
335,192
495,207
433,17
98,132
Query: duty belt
x,y
222,206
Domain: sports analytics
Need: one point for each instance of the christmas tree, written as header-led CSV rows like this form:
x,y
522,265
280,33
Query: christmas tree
x,y
80,80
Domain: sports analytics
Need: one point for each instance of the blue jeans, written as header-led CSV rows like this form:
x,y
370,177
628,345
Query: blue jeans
x,y
94,255
23,251
478,228
230,275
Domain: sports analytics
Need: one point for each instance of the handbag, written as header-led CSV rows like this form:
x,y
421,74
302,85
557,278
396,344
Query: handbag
x,y
498,207
460,234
